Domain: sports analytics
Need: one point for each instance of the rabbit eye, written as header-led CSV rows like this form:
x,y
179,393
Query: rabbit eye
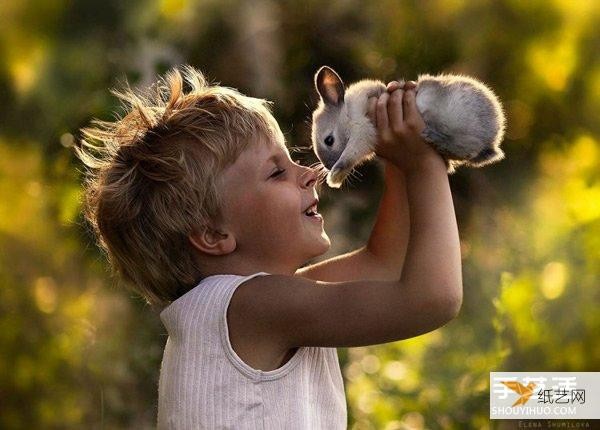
x,y
329,140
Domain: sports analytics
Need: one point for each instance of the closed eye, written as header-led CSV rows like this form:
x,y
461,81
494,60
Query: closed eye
x,y
277,173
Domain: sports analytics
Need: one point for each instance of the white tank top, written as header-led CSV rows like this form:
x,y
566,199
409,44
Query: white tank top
x,y
204,384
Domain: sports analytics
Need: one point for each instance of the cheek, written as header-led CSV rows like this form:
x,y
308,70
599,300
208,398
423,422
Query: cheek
x,y
276,213
282,211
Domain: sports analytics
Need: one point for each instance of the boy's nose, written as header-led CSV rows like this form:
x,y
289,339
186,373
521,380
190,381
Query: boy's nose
x,y
309,177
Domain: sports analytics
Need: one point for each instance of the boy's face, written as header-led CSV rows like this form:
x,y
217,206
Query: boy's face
x,y
265,196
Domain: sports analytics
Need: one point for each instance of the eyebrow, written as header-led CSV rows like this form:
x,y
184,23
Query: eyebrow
x,y
274,157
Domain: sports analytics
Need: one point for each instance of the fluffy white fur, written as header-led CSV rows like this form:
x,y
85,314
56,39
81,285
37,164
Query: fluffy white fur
x,y
464,121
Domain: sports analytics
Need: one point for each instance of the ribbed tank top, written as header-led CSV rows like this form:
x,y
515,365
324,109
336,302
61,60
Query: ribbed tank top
x,y
204,384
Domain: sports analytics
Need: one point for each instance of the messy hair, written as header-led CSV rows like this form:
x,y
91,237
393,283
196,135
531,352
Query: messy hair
x,y
151,175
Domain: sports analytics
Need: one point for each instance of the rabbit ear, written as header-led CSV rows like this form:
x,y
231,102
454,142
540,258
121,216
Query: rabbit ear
x,y
329,86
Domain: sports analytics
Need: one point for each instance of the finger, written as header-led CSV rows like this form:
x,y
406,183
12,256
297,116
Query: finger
x,y
410,85
372,110
411,112
392,86
395,109
382,113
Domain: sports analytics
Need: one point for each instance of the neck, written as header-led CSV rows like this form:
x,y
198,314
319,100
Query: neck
x,y
232,264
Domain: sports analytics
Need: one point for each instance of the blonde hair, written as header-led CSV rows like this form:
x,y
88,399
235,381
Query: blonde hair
x,y
151,175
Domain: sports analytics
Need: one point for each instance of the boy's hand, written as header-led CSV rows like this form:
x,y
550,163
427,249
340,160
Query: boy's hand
x,y
399,125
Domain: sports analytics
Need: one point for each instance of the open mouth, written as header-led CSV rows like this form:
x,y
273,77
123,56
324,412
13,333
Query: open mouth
x,y
311,211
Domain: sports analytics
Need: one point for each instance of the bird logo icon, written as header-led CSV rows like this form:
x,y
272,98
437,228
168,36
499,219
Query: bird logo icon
x,y
524,391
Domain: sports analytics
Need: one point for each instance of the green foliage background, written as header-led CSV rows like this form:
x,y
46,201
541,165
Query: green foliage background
x,y
79,352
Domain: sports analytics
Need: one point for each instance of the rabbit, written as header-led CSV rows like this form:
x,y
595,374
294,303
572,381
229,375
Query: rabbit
x,y
464,121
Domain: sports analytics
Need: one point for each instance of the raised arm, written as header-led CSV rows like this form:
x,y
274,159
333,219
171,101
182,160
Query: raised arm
x,y
382,258
291,311
383,255
388,241
434,247
433,254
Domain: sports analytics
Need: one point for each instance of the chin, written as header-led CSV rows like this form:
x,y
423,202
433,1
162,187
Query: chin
x,y
325,244
317,252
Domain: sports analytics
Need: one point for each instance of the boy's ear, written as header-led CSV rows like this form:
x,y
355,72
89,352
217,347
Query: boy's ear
x,y
329,86
213,241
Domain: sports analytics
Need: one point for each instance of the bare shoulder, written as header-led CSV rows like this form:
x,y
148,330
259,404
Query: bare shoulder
x,y
252,342
276,313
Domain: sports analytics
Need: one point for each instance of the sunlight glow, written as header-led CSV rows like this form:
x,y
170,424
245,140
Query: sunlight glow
x,y
395,370
45,294
554,280
370,363
172,8
25,67
553,61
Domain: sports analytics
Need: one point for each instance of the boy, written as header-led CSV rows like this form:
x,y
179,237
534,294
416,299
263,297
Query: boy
x,y
201,210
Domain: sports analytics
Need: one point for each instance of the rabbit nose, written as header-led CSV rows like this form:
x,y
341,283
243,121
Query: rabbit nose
x,y
328,163
341,166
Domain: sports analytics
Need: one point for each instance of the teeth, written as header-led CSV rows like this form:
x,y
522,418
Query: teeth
x,y
311,210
